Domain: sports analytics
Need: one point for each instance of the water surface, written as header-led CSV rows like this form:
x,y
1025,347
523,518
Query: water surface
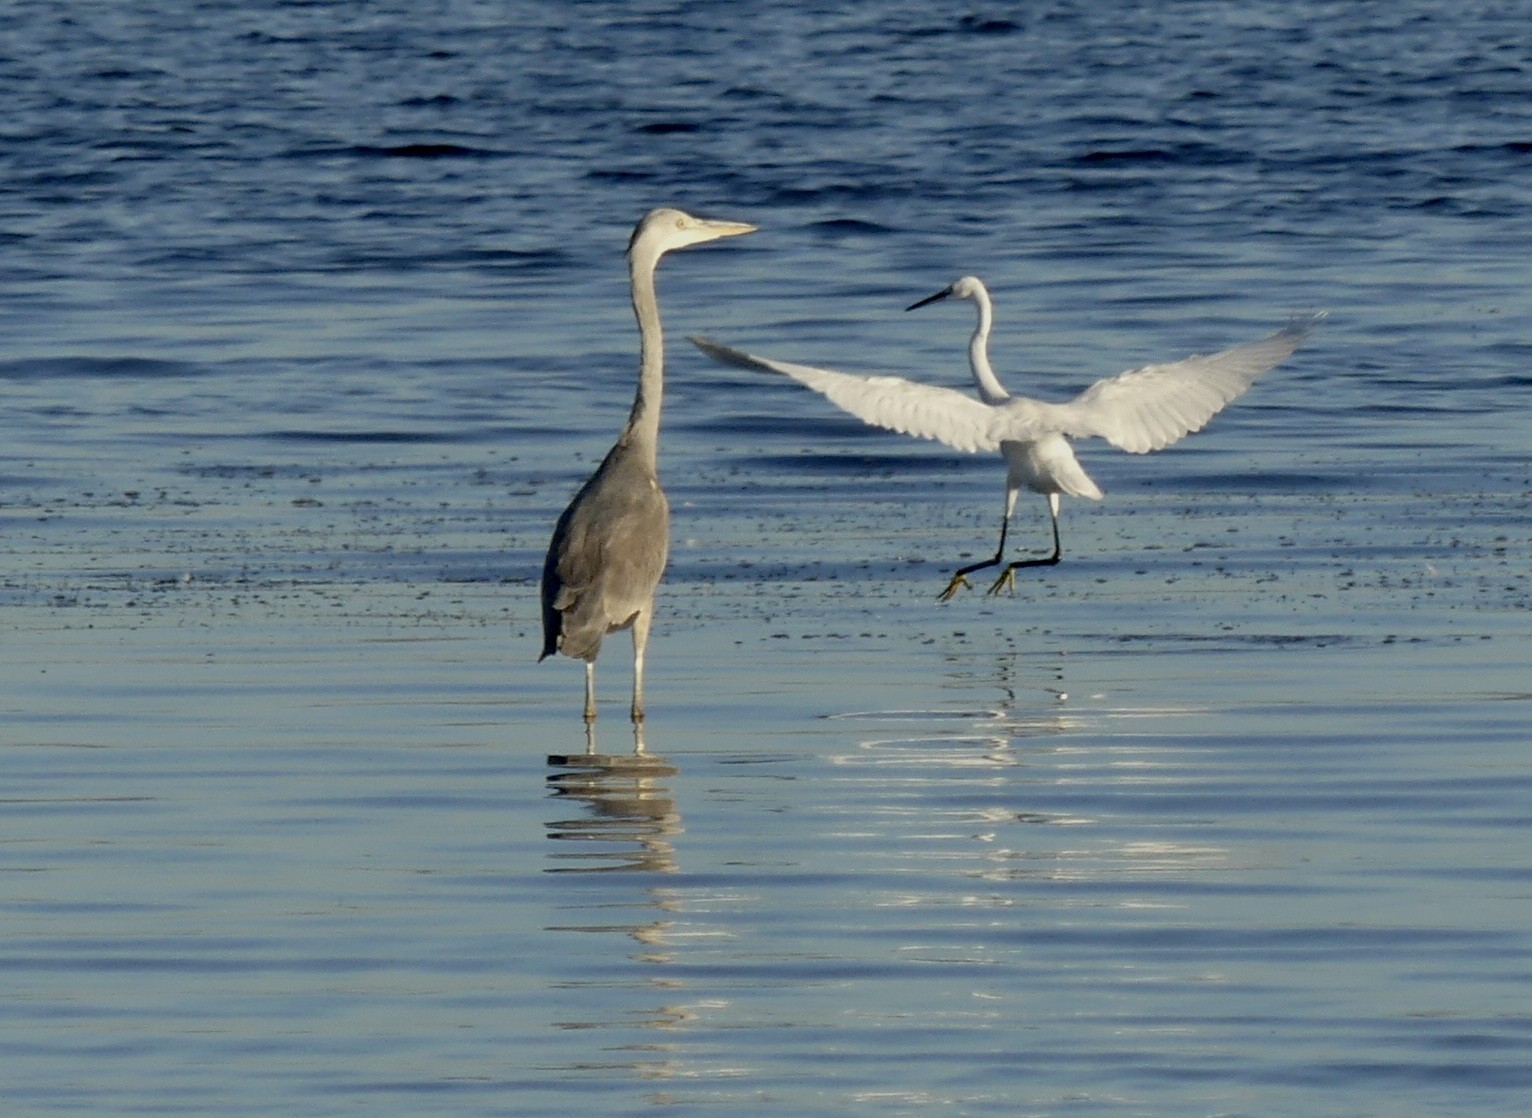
x,y
315,317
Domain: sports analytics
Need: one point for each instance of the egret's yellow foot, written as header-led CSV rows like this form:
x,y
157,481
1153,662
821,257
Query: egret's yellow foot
x,y
1006,581
958,581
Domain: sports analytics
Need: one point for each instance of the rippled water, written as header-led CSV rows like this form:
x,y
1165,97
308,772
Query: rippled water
x,y
315,316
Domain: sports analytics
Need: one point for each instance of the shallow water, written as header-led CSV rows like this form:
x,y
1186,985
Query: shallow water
x,y
314,319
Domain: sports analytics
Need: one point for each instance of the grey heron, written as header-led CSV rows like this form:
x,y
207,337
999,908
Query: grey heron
x,y
1138,411
610,545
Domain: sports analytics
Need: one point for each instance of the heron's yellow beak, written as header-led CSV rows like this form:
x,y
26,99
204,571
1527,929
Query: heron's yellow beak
x,y
727,228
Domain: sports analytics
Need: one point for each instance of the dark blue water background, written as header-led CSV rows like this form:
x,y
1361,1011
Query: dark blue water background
x,y
312,317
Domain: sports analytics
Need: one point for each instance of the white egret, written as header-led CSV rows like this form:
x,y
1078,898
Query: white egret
x,y
610,545
1139,410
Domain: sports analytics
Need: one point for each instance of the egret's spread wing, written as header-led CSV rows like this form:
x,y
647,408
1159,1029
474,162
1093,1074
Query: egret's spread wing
x,y
1149,408
926,411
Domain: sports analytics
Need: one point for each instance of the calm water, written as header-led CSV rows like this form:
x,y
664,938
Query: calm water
x,y
314,316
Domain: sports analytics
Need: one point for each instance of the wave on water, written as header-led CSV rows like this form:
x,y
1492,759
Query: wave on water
x,y
63,368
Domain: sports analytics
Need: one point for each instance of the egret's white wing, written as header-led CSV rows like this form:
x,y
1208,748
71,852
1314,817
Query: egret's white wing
x,y
926,411
1149,408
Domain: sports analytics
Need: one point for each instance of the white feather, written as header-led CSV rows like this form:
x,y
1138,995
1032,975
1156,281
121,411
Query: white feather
x,y
926,411
1140,410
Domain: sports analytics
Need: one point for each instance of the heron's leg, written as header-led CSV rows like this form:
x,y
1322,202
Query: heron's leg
x,y
1007,579
960,579
640,640
590,691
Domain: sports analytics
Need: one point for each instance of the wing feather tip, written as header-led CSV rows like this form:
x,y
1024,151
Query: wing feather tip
x,y
1303,323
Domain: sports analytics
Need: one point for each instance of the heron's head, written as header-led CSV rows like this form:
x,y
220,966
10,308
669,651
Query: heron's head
x,y
665,229
966,287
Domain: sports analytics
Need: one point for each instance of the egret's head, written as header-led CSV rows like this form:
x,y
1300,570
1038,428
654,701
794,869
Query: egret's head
x,y
665,229
966,287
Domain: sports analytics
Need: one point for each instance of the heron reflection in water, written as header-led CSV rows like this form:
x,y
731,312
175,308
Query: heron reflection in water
x,y
632,820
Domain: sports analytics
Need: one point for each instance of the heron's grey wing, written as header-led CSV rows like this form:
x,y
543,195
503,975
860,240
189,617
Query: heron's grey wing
x,y
1151,407
552,588
607,556
926,411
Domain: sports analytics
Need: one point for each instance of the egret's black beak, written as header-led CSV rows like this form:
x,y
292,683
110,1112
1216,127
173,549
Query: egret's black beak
x,y
942,294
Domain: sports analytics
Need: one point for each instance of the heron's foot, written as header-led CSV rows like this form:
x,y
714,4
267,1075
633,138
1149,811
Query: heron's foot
x,y
959,581
1006,582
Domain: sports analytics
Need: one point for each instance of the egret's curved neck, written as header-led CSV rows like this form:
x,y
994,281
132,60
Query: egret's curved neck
x,y
990,388
643,430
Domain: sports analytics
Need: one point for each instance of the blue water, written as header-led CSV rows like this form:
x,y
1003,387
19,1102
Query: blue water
x,y
313,318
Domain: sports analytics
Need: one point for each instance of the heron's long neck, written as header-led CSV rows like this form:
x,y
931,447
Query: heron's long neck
x,y
990,388
643,430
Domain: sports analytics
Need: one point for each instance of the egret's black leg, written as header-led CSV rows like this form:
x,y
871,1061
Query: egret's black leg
x,y
1007,579
960,579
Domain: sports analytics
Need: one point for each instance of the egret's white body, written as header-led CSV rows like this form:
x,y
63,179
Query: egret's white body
x,y
610,545
1138,411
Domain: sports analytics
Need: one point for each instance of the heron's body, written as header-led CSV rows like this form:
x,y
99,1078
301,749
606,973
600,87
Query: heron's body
x,y
1140,410
608,552
610,545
